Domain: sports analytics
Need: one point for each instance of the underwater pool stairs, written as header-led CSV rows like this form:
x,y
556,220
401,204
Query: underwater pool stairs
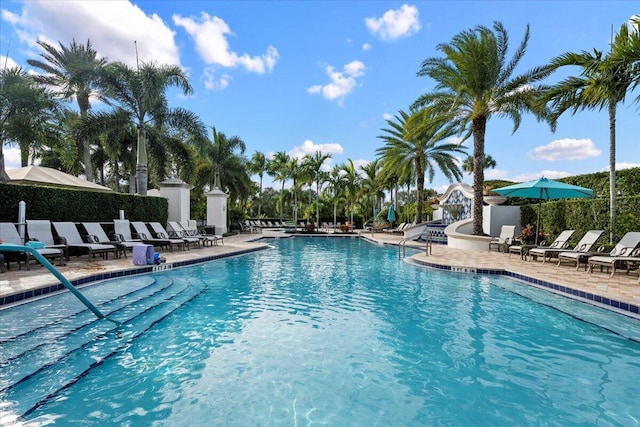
x,y
71,338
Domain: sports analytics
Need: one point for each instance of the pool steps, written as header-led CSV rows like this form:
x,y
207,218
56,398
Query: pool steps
x,y
66,348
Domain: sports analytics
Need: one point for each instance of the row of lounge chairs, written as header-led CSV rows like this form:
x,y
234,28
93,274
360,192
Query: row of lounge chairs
x,y
625,254
256,226
91,239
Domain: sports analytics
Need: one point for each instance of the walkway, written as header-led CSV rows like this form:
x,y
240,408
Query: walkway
x,y
622,288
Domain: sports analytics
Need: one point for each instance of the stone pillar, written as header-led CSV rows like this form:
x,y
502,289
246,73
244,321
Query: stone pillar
x,y
217,210
178,193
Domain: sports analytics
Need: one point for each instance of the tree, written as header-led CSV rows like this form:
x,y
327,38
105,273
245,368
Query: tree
x,y
603,82
489,162
258,165
314,164
373,184
26,112
413,141
475,82
351,182
73,71
277,168
337,185
141,95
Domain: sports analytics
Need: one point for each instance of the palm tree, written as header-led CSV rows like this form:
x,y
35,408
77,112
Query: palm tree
x,y
351,182
141,95
489,162
314,164
603,82
337,186
26,114
74,71
258,165
373,184
277,168
295,172
474,82
413,142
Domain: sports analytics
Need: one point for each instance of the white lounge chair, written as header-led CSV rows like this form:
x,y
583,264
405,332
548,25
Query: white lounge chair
x,y
98,235
622,254
561,242
191,229
176,232
40,230
504,240
584,246
161,241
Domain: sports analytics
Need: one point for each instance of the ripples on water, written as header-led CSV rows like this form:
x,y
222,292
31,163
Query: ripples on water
x,y
302,335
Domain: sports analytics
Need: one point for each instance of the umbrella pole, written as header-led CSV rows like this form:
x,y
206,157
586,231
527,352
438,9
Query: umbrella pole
x,y
538,225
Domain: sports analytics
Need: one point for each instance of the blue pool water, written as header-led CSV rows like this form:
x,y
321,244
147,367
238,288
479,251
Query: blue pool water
x,y
319,332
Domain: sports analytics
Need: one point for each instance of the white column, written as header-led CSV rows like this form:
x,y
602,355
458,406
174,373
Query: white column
x,y
178,193
217,210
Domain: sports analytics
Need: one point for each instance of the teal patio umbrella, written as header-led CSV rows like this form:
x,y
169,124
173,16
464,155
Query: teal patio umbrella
x,y
391,215
544,189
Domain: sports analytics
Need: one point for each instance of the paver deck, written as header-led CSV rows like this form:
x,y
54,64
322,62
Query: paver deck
x,y
623,288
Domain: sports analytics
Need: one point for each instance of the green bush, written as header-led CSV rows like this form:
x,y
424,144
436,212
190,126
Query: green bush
x,y
60,204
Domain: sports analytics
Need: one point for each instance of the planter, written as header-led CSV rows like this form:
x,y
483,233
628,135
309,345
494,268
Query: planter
x,y
494,200
435,206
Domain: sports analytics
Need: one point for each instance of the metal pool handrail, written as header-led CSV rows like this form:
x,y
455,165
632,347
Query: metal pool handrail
x,y
7,247
410,234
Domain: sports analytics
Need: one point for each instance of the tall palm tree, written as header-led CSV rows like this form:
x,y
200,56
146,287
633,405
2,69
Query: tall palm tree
x,y
373,183
73,71
314,164
26,114
277,168
258,165
414,141
474,81
295,172
337,186
351,184
141,95
489,162
603,82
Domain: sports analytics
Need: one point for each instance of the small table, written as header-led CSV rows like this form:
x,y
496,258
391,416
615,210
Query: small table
x,y
522,250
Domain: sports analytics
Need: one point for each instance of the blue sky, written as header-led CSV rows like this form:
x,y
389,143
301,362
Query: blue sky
x,y
325,75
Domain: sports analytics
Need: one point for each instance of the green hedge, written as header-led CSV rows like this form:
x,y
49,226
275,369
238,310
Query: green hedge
x,y
583,215
59,204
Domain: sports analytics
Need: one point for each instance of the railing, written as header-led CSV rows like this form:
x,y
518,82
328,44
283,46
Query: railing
x,y
45,262
410,234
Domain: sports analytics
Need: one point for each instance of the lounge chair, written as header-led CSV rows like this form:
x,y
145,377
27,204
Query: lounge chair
x,y
40,230
191,229
122,231
147,237
70,233
96,233
398,229
161,232
561,242
584,246
9,234
621,255
504,240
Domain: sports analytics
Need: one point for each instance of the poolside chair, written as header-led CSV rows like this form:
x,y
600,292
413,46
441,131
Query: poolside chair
x,y
147,237
623,253
399,228
122,231
40,230
584,246
191,229
561,242
9,234
96,233
178,233
504,240
70,233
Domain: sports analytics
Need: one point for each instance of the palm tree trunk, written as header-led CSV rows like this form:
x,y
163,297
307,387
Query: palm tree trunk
x,y
478,128
612,170
260,200
141,166
420,185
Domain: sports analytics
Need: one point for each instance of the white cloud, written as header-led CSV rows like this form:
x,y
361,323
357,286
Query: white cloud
x,y
366,47
342,82
12,158
112,27
394,24
210,35
495,174
623,165
212,81
308,147
360,162
7,62
565,149
454,140
387,116
535,175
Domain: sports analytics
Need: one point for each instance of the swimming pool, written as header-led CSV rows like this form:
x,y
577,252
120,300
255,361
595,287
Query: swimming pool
x,y
319,331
